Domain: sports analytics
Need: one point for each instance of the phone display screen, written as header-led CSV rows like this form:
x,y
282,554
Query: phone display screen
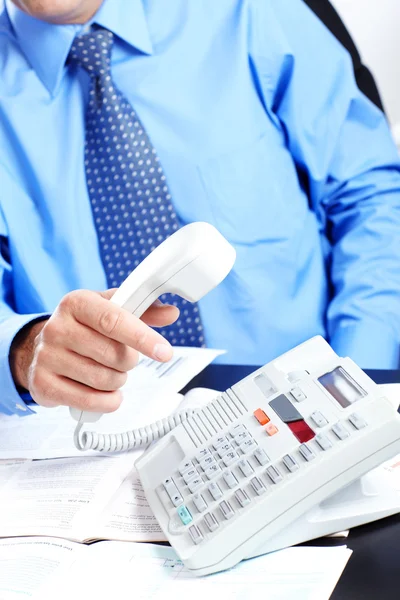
x,y
342,387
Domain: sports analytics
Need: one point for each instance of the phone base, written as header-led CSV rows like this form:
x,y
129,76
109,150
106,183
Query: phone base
x,y
368,499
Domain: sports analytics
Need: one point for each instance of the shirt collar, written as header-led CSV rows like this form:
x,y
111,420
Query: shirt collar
x,y
46,46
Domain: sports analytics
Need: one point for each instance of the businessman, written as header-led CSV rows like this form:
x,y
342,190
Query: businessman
x,y
122,120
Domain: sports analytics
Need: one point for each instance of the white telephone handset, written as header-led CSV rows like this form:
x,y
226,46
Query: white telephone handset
x,y
190,263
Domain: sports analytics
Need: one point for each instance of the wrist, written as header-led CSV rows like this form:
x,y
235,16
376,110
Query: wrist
x,y
22,351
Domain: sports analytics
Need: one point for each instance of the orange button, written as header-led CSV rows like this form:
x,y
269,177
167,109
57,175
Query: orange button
x,y
261,416
271,429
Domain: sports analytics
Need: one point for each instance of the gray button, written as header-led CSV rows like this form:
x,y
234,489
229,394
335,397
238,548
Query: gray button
x,y
258,486
323,442
224,449
319,418
185,466
195,534
274,474
261,456
212,471
245,467
190,474
195,484
226,510
200,455
306,452
285,409
298,394
248,445
237,429
265,385
211,522
215,491
172,491
230,458
207,461
242,497
176,499
230,479
340,431
357,421
199,503
241,436
290,463
219,442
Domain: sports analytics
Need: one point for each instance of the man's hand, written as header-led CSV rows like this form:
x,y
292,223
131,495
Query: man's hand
x,y
81,355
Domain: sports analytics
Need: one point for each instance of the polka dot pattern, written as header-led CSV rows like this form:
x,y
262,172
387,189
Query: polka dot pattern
x,y
131,202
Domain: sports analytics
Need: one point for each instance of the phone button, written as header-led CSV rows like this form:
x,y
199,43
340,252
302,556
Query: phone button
x,y
226,510
195,534
184,515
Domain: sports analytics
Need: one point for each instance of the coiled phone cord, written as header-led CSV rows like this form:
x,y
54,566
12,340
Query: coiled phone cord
x,y
135,438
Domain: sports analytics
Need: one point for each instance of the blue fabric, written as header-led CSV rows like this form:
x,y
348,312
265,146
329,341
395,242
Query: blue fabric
x,y
261,131
128,191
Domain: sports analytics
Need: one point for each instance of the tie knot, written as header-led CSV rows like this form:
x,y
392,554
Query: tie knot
x,y
92,51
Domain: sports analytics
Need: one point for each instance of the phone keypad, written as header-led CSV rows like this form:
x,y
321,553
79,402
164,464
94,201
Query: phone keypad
x,y
220,481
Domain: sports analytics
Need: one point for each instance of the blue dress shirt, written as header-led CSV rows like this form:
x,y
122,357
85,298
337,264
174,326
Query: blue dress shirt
x,y
262,132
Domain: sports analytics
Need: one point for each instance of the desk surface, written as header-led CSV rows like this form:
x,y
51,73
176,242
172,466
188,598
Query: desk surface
x,y
373,572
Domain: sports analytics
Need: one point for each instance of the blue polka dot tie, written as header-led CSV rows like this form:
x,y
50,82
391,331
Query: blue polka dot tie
x,y
131,203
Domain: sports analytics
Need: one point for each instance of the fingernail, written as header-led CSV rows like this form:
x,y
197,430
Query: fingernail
x,y
159,304
162,351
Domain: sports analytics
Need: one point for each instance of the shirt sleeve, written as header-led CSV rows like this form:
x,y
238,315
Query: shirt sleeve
x,y
11,401
349,166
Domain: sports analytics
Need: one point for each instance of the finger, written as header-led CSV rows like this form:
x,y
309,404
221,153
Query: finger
x,y
66,392
89,343
94,311
81,369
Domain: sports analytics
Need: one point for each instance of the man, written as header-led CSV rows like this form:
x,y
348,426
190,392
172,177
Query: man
x,y
242,113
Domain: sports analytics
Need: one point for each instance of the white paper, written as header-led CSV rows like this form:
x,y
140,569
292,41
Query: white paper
x,y
391,468
45,568
149,394
133,571
35,568
392,391
59,497
174,375
128,517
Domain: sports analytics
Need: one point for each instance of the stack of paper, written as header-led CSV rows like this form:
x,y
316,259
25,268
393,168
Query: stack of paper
x,y
46,569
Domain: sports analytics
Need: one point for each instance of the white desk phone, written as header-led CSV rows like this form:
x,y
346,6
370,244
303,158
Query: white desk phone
x,y
259,467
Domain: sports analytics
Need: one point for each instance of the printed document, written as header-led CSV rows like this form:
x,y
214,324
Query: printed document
x,y
47,568
82,500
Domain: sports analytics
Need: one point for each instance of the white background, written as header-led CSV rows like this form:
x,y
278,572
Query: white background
x,y
375,27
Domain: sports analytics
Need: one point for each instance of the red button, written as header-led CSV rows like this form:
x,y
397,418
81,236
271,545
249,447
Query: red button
x,y
301,431
261,417
271,429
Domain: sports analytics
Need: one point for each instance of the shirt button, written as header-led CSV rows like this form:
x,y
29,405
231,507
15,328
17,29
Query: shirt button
x,y
20,407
